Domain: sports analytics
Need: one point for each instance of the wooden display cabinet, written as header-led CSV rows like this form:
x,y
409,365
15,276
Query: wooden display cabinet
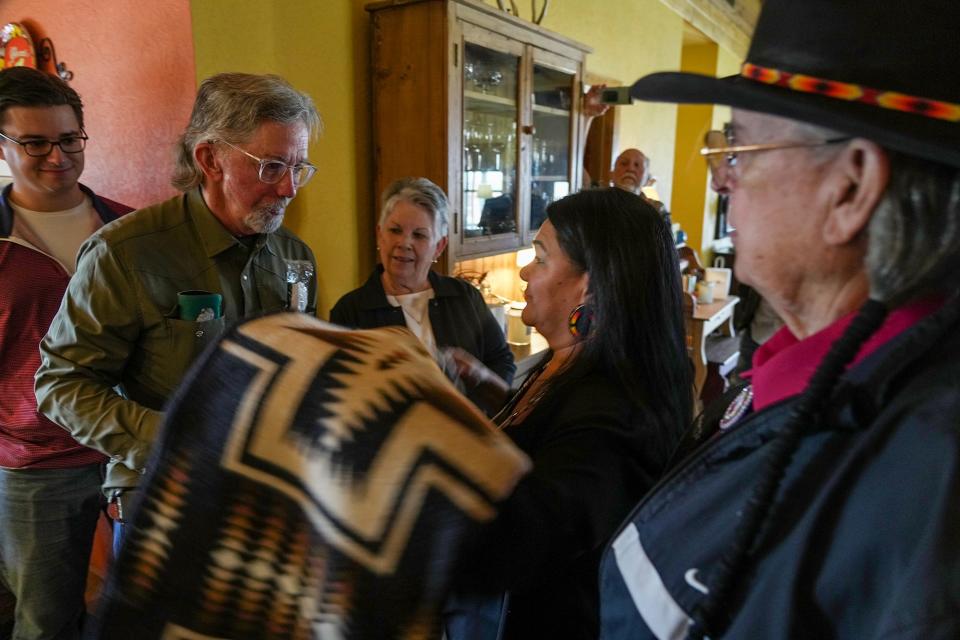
x,y
484,104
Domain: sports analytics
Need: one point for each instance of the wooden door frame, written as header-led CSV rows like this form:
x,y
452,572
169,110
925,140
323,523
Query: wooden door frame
x,y
601,139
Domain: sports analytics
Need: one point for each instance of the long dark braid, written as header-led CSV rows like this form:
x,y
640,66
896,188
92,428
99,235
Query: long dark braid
x,y
713,614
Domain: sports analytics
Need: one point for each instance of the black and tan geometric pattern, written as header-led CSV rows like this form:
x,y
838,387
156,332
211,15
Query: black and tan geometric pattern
x,y
309,482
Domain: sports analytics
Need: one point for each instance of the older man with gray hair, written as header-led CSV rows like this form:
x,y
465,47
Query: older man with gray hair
x,y
631,171
823,501
129,325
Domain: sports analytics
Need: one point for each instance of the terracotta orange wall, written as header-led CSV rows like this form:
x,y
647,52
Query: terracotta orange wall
x,y
133,65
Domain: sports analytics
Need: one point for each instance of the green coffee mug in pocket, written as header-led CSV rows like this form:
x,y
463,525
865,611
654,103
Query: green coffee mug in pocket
x,y
199,305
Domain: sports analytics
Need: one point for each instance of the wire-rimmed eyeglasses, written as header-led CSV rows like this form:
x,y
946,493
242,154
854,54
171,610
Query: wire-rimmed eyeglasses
x,y
41,147
272,171
720,147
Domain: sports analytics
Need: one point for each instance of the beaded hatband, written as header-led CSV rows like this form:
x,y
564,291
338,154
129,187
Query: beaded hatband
x,y
893,100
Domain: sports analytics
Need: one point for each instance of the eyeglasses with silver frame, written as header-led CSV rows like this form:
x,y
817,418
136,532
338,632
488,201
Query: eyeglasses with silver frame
x,y
41,147
272,171
720,147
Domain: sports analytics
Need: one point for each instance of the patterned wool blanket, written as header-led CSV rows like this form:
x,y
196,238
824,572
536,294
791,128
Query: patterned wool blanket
x,y
309,482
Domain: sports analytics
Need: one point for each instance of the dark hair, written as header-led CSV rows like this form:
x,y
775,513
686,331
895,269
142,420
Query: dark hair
x,y
637,333
27,87
713,614
914,234
913,250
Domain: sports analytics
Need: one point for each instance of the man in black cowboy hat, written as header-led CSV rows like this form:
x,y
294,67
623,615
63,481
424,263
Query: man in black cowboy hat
x,y
824,498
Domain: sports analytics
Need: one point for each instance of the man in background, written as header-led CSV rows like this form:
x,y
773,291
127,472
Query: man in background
x,y
631,172
49,483
125,334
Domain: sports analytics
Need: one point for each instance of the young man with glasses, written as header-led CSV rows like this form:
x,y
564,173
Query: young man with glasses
x,y
120,344
49,483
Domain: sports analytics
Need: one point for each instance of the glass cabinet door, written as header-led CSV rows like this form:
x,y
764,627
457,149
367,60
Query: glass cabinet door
x,y
553,108
490,177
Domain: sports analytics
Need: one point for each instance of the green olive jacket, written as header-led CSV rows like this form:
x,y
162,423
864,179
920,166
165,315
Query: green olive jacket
x,y
117,349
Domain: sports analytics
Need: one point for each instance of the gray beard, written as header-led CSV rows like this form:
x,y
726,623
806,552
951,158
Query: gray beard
x,y
629,185
265,219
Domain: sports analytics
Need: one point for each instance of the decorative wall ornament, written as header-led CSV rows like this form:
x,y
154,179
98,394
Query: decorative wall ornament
x,y
543,10
16,47
535,16
17,50
512,10
48,54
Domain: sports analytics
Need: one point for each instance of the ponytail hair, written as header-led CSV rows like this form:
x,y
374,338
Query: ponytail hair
x,y
713,614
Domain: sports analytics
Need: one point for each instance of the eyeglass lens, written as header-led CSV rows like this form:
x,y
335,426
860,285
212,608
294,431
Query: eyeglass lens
x,y
37,148
720,140
273,171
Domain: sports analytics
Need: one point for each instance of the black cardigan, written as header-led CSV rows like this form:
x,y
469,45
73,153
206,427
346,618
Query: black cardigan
x,y
458,315
594,456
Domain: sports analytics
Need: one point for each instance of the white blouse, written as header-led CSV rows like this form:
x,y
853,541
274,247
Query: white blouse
x,y
416,313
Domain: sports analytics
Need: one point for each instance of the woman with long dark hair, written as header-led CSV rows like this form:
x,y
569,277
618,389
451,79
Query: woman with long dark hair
x,y
599,416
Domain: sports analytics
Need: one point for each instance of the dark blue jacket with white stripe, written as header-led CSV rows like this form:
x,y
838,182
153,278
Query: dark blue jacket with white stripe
x,y
864,537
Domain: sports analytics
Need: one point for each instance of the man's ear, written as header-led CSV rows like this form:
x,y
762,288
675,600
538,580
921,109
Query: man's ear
x,y
855,181
208,161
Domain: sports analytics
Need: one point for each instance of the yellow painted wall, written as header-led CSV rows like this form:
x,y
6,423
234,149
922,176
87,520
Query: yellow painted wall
x,y
630,40
322,49
689,169
727,64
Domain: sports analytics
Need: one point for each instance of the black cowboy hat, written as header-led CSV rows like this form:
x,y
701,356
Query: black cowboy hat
x,y
880,69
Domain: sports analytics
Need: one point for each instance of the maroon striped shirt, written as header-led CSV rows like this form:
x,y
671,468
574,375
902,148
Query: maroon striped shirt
x,y
32,285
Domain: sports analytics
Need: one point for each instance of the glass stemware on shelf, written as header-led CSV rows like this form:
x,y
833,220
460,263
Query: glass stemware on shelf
x,y
488,141
490,138
549,157
489,172
488,78
489,72
481,76
471,144
469,71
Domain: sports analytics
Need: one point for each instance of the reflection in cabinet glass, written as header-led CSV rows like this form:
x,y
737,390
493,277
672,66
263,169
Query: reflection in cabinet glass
x,y
489,141
553,93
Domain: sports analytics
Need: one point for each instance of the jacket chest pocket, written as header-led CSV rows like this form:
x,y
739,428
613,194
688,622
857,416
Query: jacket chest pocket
x,y
187,339
272,292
